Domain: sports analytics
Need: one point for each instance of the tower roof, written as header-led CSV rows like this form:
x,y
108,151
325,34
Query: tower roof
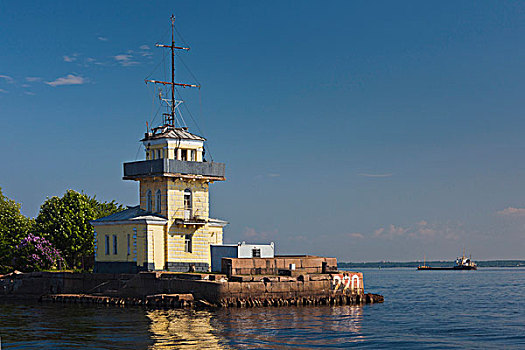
x,y
169,132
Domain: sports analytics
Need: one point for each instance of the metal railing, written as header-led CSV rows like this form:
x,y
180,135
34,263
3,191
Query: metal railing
x,y
173,166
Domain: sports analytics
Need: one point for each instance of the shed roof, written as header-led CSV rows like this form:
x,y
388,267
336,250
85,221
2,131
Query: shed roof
x,y
131,214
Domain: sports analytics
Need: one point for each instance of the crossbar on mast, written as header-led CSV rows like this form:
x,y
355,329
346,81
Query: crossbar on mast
x,y
174,47
170,83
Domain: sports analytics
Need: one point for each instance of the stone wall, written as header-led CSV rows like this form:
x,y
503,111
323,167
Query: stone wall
x,y
213,289
271,266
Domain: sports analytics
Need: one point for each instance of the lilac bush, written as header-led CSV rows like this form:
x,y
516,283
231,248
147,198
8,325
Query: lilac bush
x,y
35,253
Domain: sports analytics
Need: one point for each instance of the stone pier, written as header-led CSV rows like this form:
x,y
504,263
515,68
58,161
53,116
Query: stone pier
x,y
161,289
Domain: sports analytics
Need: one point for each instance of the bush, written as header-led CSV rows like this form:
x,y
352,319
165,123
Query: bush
x,y
35,253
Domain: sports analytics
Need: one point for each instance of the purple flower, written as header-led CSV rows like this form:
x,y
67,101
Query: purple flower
x,y
36,253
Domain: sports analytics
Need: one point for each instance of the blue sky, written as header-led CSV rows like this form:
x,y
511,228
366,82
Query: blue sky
x,y
380,131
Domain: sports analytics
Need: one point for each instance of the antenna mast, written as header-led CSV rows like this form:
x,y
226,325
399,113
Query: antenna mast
x,y
172,117
169,118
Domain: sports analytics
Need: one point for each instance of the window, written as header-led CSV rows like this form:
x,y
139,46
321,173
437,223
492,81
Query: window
x,y
107,245
256,253
192,155
176,154
187,204
184,154
115,244
188,243
129,246
148,201
158,154
157,202
187,198
95,243
135,244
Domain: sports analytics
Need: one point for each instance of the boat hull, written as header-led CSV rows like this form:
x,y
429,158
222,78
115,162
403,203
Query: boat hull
x,y
454,268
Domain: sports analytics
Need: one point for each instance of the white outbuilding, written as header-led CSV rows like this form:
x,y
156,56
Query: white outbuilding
x,y
239,250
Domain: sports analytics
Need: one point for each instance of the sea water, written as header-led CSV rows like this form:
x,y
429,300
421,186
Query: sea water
x,y
482,309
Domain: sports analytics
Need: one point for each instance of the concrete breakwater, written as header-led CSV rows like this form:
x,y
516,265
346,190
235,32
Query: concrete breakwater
x,y
162,289
187,300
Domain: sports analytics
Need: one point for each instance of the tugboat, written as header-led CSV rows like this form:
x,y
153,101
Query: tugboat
x,y
462,263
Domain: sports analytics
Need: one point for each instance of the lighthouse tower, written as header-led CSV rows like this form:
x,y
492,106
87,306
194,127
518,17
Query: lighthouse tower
x,y
174,184
171,229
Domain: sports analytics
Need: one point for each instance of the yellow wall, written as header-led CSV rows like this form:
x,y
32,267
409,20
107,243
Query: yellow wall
x,y
202,238
172,201
137,248
199,190
158,239
154,184
172,196
140,251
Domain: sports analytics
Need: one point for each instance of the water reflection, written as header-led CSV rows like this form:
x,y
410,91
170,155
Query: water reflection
x,y
183,329
269,328
275,328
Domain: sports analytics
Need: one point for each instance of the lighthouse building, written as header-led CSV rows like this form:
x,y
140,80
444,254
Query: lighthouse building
x,y
171,229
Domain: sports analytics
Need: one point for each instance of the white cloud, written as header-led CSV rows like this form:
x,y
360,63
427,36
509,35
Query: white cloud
x,y
379,232
70,58
33,79
355,235
125,60
144,47
510,211
29,93
421,230
3,91
375,175
251,233
69,79
394,230
102,38
7,78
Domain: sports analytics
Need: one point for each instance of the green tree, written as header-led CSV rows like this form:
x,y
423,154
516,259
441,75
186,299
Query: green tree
x,y
64,221
13,227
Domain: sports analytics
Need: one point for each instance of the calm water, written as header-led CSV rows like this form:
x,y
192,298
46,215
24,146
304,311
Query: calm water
x,y
423,310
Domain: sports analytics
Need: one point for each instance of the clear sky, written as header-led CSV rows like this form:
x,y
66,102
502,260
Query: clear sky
x,y
366,131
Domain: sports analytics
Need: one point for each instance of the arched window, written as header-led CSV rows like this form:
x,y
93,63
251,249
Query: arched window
x,y
187,204
148,201
157,202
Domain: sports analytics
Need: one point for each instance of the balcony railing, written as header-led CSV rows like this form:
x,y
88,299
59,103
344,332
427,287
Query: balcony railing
x,y
171,166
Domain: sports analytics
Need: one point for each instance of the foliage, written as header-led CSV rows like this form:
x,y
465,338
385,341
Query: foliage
x,y
35,253
64,221
13,227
